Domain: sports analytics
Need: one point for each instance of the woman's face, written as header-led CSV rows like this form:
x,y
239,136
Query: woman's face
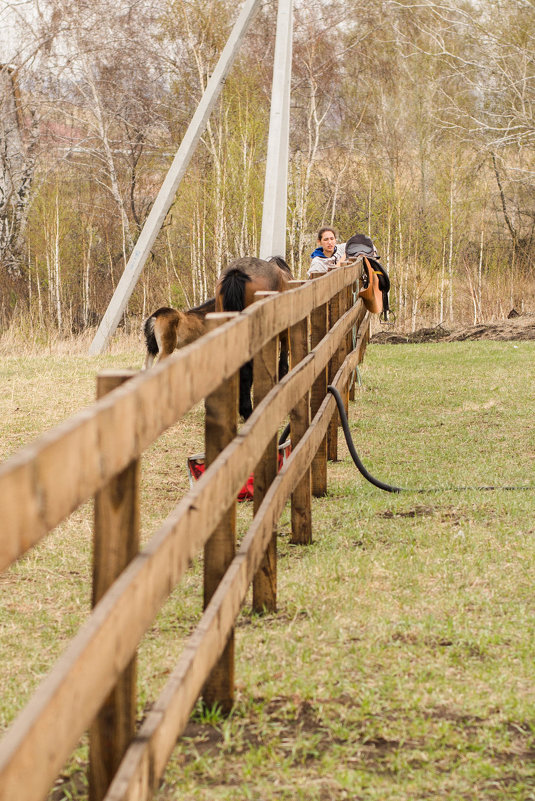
x,y
328,243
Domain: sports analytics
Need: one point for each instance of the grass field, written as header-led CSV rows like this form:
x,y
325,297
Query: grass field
x,y
400,664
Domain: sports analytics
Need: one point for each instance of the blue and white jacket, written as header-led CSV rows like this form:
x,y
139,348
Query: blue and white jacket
x,y
321,264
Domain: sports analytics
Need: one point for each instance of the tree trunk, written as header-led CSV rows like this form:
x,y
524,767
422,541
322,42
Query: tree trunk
x,y
450,253
17,166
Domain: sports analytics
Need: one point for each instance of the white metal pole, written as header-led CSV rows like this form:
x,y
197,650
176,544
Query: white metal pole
x,y
273,236
170,185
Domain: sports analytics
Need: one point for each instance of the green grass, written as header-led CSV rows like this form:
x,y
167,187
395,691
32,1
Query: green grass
x,y
400,663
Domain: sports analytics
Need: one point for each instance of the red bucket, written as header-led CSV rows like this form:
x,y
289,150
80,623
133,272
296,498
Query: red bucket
x,y
196,468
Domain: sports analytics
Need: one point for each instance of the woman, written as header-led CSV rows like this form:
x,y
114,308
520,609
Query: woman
x,y
327,254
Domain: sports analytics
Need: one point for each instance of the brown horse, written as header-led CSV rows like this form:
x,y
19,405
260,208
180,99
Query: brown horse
x,y
235,290
238,283
168,329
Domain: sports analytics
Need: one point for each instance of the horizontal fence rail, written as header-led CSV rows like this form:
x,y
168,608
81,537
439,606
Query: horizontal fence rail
x,y
151,749
49,479
37,491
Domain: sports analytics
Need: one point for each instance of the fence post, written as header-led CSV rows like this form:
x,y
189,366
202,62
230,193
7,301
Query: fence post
x,y
220,429
365,339
318,329
301,511
334,364
264,378
344,347
115,544
352,292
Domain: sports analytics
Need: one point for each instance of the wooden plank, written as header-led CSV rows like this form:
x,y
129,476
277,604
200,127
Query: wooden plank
x,y
50,478
344,346
301,511
265,580
220,428
318,329
352,290
334,364
68,699
364,338
115,544
354,336
47,480
145,761
328,285
264,379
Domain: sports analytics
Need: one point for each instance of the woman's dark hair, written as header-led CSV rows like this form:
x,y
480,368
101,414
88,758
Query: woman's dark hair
x,y
322,231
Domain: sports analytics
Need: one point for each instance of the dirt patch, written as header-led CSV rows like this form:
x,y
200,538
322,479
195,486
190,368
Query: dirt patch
x,y
305,730
514,329
418,511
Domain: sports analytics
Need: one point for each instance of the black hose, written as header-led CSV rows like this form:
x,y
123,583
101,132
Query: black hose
x,y
389,487
284,436
354,455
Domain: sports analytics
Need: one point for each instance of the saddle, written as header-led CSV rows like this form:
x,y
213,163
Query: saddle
x,y
375,286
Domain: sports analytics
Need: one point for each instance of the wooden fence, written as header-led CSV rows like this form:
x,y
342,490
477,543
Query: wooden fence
x,y
97,453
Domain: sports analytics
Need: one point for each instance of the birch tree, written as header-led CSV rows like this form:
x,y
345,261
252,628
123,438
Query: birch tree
x,y
18,150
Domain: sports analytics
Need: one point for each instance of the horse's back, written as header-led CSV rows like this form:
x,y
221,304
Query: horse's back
x,y
280,262
162,317
267,273
203,308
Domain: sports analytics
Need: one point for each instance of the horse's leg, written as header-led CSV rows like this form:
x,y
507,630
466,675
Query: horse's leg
x,y
284,354
166,333
284,337
246,383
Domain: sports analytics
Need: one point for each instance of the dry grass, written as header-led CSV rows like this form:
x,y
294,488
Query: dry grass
x,y
21,338
400,662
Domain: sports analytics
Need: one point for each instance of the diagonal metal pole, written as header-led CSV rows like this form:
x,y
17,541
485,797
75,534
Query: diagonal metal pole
x,y
166,195
273,235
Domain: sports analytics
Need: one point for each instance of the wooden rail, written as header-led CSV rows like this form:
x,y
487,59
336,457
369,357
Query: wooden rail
x,y
97,453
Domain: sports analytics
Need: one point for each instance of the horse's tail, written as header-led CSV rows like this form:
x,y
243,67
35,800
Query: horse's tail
x,y
151,340
232,290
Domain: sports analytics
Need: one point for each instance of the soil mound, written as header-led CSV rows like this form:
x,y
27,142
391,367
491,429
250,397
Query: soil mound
x,y
514,328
